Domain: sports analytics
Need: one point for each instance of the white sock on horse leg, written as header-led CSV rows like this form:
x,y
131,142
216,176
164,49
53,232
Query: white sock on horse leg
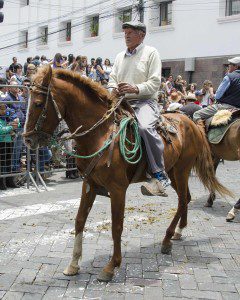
x,y
178,230
77,250
233,211
73,268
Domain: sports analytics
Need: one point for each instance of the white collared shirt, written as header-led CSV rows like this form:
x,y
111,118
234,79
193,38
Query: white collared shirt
x,y
139,47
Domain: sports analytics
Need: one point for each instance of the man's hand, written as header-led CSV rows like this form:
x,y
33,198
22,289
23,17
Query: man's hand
x,y
126,88
115,92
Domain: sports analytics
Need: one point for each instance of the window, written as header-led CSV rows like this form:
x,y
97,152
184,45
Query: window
x,y
23,39
232,7
165,16
24,3
166,72
43,35
69,31
92,26
123,15
65,34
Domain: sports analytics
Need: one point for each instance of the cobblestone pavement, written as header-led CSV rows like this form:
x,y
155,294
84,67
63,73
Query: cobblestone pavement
x,y
36,240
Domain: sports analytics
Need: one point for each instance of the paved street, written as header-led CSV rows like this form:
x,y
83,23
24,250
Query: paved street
x,y
36,238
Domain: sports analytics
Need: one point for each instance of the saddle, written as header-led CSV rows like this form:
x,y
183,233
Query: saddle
x,y
165,126
219,124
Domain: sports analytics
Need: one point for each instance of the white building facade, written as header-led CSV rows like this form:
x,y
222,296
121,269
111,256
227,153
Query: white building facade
x,y
185,32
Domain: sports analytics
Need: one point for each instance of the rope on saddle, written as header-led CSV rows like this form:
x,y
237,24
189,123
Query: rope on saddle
x,y
131,151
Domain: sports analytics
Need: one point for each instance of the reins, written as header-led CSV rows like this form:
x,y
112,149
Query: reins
x,y
128,149
105,117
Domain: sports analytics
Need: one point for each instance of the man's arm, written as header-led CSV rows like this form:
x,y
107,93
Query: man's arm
x,y
153,82
222,88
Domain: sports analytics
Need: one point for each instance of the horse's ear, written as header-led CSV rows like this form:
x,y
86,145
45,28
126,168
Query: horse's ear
x,y
48,76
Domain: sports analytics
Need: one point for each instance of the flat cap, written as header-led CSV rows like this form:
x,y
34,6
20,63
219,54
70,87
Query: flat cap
x,y
235,61
135,25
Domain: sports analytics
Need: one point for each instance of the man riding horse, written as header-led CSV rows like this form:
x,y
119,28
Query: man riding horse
x,y
227,95
136,74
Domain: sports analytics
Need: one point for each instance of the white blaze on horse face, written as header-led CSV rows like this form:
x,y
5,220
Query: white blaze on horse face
x,y
27,116
73,268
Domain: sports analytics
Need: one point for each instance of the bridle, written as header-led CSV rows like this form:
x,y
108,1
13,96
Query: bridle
x,y
42,117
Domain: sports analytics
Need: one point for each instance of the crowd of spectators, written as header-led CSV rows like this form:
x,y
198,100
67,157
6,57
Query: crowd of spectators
x,y
178,95
174,95
95,69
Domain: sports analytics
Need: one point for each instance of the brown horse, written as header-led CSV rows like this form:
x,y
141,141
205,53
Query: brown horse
x,y
227,149
81,102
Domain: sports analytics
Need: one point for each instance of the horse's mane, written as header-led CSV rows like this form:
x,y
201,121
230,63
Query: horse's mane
x,y
92,88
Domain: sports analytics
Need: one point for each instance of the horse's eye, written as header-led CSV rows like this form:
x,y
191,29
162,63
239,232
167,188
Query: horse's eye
x,y
38,104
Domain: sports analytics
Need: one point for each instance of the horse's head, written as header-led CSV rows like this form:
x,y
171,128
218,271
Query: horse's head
x,y
43,115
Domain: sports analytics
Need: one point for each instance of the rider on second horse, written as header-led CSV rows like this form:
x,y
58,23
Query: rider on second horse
x,y
136,75
227,95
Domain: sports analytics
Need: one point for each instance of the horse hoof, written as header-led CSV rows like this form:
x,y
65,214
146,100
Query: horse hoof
x,y
207,204
166,249
230,217
177,236
153,188
71,270
105,276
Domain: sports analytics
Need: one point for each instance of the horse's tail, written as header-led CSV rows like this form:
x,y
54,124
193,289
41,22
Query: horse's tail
x,y
204,167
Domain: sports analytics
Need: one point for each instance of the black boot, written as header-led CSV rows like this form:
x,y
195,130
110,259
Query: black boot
x,y
68,166
72,175
12,182
76,173
3,186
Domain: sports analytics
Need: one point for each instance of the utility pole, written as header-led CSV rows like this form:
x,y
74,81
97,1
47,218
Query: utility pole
x,y
141,11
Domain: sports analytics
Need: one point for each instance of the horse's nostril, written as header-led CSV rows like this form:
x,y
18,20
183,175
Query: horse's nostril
x,y
27,141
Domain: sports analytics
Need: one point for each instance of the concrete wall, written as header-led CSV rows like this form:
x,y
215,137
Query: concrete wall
x,y
211,68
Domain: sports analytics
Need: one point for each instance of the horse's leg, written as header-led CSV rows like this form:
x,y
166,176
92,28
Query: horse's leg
x,y
117,207
87,199
181,182
212,195
183,220
232,213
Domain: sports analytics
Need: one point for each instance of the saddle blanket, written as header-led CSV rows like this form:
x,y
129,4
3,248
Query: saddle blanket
x,y
216,134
